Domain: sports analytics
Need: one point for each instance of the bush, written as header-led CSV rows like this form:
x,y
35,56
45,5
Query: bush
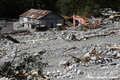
x,y
26,65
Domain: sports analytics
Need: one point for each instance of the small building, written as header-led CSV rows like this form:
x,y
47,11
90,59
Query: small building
x,y
43,17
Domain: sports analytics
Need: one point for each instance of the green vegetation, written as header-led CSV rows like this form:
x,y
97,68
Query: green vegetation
x,y
25,65
13,8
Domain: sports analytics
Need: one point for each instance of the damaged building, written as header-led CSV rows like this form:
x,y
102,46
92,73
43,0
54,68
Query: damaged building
x,y
34,17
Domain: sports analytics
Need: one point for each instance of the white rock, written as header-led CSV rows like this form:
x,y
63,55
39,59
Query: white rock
x,y
58,71
99,61
35,72
48,73
75,65
118,54
68,37
75,70
70,67
63,33
84,39
29,77
65,71
4,78
78,72
35,54
59,77
68,75
61,74
114,52
62,63
93,58
87,55
118,66
109,53
54,72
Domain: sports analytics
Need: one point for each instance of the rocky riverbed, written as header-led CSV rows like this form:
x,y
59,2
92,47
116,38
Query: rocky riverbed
x,y
62,51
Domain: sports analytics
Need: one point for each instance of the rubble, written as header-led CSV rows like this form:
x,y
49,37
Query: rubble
x,y
62,63
2,53
71,54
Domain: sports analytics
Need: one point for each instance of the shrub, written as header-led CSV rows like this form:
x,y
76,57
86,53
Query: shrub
x,y
26,65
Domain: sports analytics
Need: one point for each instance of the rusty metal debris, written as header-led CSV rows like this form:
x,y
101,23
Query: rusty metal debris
x,y
35,13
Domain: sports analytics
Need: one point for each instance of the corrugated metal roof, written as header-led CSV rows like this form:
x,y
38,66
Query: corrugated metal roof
x,y
35,13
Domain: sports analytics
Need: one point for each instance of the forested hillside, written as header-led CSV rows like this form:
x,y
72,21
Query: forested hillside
x,y
13,8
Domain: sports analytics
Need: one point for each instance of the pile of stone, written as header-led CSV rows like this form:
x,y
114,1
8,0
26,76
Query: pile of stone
x,y
103,57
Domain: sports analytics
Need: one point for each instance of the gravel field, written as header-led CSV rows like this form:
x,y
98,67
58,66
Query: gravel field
x,y
60,47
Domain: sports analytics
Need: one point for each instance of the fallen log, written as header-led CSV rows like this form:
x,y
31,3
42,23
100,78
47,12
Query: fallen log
x,y
84,59
76,59
113,47
25,75
40,40
72,48
67,63
94,53
11,39
99,35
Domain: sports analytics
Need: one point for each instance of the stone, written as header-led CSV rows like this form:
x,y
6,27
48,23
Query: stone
x,y
35,72
48,73
93,58
118,55
54,72
35,54
70,67
65,71
58,71
75,70
68,75
4,78
55,75
87,55
29,77
75,65
62,63
114,53
109,53
79,72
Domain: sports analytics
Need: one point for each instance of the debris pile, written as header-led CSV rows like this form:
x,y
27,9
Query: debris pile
x,y
71,54
99,57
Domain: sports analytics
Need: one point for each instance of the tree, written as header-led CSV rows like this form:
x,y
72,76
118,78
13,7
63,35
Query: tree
x,y
13,8
79,7
65,7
